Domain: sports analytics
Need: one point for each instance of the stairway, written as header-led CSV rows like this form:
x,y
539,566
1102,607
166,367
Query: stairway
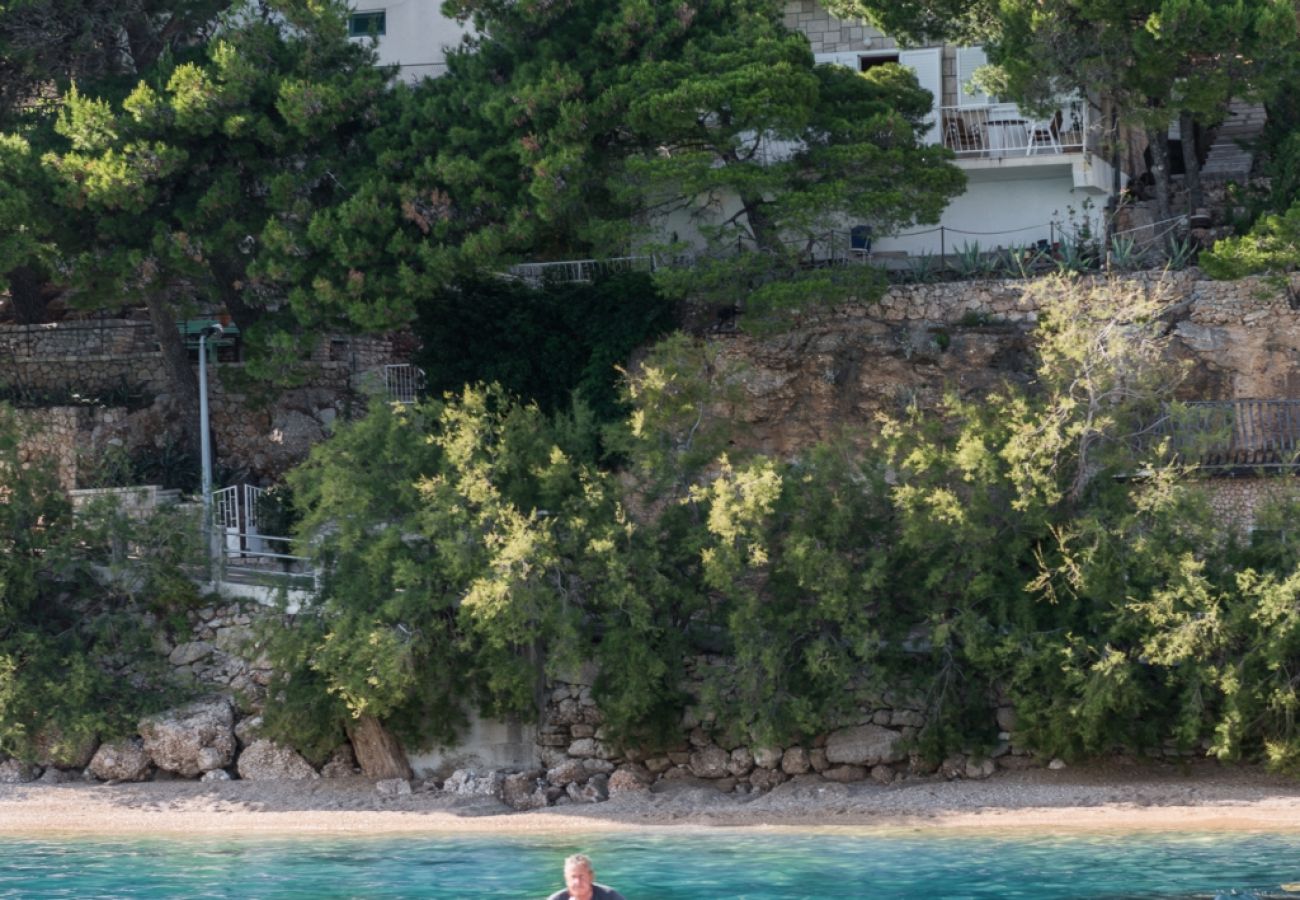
x,y
1227,158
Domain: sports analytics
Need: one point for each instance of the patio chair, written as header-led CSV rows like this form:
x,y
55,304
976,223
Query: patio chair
x,y
1041,133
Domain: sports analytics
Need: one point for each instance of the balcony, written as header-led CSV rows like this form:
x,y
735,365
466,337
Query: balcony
x,y
1232,435
1002,130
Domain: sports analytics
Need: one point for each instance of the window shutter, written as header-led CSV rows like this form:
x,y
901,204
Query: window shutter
x,y
968,60
928,66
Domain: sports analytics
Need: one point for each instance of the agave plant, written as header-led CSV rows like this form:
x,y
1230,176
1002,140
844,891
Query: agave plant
x,y
1023,261
1180,252
922,268
1124,254
1073,258
970,261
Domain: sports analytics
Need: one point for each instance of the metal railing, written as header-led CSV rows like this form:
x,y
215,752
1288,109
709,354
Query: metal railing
x,y
1232,434
1002,129
247,555
403,383
575,270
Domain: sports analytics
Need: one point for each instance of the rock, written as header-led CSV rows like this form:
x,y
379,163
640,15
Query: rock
x,y
176,740
393,787
1056,765
248,729
979,770
658,764
473,783
550,757
795,761
216,775
594,791
265,760
817,759
124,760
54,748
844,774
567,772
598,766
710,762
523,791
14,772
188,654
882,774
378,751
583,747
953,767
58,776
768,757
864,745
740,762
629,780
341,764
909,718
1006,717
764,779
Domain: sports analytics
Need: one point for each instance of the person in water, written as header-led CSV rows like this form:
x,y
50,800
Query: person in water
x,y
580,882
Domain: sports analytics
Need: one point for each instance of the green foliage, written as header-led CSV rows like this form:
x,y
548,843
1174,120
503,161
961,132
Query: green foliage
x,y
74,655
1271,246
546,344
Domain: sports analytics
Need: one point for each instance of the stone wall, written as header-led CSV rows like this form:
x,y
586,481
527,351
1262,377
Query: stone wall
x,y
1236,501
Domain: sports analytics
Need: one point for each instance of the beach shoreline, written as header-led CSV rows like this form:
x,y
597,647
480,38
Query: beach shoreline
x,y
1192,798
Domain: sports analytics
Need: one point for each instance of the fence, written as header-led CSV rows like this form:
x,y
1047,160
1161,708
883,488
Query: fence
x,y
403,383
247,554
1232,434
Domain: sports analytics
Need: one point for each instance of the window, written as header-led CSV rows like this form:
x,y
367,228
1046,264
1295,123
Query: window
x,y
867,63
367,24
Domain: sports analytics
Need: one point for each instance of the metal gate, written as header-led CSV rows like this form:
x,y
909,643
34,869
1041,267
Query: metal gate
x,y
244,548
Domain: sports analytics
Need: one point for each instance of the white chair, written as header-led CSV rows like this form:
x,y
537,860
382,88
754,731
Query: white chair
x,y
1041,133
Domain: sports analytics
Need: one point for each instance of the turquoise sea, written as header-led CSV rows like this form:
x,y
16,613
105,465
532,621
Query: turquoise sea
x,y
689,866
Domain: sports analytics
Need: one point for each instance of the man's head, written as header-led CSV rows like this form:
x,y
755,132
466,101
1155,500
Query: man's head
x,y
578,877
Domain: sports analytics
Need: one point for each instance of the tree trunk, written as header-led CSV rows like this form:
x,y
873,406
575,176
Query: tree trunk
x,y
1191,162
26,289
765,235
1158,141
378,751
176,362
227,275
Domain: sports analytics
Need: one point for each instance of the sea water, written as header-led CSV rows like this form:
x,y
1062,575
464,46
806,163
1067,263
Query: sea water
x,y
688,865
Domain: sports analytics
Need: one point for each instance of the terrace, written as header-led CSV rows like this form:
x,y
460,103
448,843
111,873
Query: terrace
x,y
1000,130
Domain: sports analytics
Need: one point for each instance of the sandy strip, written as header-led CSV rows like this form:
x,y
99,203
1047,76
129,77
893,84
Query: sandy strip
x,y
1199,798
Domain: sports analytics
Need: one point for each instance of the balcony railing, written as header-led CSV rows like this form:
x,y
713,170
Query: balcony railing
x,y
1003,130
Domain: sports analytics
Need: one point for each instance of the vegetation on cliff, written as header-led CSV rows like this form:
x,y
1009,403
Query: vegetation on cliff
x,y
1036,549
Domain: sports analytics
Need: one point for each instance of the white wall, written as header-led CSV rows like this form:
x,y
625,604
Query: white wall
x,y
1020,202
415,36
485,744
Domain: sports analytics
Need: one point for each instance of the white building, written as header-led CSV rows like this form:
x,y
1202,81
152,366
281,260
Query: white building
x,y
1025,175
411,34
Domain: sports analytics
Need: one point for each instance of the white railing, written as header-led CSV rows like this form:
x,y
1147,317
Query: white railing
x,y
403,383
575,270
1002,129
246,554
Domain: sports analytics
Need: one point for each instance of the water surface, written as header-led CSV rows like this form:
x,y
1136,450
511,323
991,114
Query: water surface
x,y
672,866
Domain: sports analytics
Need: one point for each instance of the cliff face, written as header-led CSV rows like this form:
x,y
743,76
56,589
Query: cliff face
x,y
844,367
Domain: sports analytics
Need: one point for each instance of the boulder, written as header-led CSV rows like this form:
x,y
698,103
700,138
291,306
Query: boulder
x,y
795,761
864,745
741,761
216,775
583,747
378,751
629,780
13,771
882,774
248,730
567,772
265,760
124,760
768,757
58,776
980,770
393,787
192,739
710,762
594,791
524,790
473,783
765,779
1006,718
845,774
54,748
188,654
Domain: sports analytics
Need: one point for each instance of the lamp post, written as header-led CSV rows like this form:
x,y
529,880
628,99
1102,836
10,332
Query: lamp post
x,y
205,442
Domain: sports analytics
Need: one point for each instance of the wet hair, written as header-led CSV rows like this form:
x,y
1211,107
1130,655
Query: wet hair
x,y
578,859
